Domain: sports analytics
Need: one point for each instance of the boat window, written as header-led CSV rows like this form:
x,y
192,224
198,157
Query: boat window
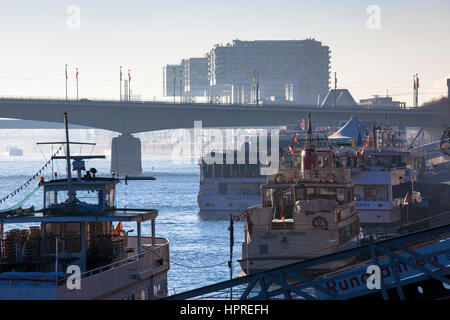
x,y
89,197
267,197
50,198
299,194
320,161
54,197
340,195
217,170
207,171
311,194
223,188
235,170
109,198
252,170
226,170
287,197
328,193
374,193
53,234
73,237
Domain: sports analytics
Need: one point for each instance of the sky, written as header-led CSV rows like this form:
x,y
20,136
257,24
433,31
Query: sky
x,y
371,53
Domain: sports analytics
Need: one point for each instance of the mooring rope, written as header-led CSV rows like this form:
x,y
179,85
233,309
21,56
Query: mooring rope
x,y
25,184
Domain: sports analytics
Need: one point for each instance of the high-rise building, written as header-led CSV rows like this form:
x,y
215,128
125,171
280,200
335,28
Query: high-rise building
x,y
196,81
172,73
283,71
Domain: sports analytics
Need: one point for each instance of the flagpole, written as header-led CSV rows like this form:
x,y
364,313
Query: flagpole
x,y
129,85
77,83
66,81
335,88
181,86
231,253
120,84
174,84
417,90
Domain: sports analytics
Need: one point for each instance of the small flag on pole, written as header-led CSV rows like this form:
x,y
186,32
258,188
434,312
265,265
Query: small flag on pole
x,y
295,139
303,124
76,75
118,229
291,150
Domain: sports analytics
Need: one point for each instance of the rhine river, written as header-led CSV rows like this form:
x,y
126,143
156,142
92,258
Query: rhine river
x,y
199,246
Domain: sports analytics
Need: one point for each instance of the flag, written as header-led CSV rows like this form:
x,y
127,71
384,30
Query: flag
x,y
295,139
303,124
414,83
129,75
359,142
66,72
417,81
291,150
118,229
76,76
231,229
282,210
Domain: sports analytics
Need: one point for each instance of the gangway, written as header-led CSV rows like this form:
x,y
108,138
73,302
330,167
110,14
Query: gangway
x,y
407,263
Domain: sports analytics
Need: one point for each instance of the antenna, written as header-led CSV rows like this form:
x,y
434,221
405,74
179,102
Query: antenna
x,y
69,173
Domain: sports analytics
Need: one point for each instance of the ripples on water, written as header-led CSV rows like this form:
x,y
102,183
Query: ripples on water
x,y
195,240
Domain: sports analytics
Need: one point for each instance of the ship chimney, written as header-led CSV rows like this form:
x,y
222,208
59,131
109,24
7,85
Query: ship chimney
x,y
309,156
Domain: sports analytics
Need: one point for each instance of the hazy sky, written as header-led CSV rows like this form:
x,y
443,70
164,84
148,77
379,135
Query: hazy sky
x,y
36,42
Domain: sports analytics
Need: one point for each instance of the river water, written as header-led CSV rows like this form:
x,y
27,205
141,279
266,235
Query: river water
x,y
199,245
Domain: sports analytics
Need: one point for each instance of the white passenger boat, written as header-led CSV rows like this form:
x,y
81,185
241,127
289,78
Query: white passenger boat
x,y
229,188
71,249
14,151
306,211
384,185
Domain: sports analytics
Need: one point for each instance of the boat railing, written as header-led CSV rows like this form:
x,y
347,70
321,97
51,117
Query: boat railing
x,y
104,282
333,175
125,261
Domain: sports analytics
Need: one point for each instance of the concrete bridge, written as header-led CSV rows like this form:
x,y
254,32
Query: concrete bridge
x,y
134,117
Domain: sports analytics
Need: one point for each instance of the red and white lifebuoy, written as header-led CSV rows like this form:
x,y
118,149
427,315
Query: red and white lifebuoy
x,y
330,177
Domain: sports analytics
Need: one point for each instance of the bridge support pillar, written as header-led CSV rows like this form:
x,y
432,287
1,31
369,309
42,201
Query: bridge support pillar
x,y
126,155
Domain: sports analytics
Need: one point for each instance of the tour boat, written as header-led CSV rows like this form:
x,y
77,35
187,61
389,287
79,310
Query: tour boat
x,y
306,211
72,250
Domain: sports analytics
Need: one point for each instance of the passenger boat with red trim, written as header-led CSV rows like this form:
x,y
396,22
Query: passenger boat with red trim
x,y
306,211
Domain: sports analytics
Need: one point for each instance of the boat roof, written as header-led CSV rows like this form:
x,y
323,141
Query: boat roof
x,y
385,152
83,182
137,215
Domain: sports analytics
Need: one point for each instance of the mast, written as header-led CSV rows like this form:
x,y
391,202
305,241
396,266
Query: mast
x,y
309,131
69,173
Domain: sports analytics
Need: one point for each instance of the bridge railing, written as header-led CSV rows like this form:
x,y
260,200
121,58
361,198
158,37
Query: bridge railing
x,y
190,103
403,260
